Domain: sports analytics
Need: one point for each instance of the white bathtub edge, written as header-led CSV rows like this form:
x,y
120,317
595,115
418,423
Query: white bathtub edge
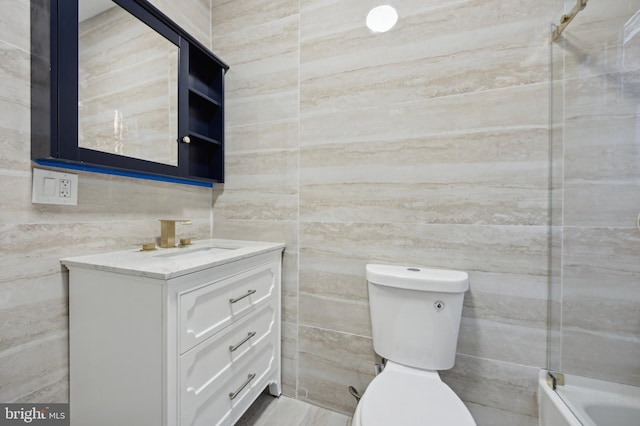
x,y
552,411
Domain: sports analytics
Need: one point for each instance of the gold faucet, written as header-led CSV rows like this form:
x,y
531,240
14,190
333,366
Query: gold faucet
x,y
168,232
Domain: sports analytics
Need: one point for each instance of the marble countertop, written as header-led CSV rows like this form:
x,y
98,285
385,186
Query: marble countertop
x,y
173,262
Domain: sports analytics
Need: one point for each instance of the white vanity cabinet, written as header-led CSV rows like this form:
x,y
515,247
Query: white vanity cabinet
x,y
186,337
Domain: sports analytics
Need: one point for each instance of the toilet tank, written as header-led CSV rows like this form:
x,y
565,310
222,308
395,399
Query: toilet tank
x,y
415,314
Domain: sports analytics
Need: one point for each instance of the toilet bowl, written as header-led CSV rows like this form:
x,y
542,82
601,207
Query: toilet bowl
x,y
415,320
410,397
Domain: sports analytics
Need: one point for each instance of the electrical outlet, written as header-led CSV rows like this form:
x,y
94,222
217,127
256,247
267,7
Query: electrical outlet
x,y
51,187
65,188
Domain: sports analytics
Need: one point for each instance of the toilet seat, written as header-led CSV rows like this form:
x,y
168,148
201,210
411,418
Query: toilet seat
x,y
410,397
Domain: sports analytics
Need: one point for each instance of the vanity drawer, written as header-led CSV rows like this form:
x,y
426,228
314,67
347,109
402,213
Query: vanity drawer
x,y
240,385
207,310
206,367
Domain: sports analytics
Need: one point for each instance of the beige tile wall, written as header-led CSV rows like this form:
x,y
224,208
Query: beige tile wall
x,y
113,213
426,145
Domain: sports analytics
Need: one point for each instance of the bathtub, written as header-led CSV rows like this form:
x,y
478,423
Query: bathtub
x,y
587,402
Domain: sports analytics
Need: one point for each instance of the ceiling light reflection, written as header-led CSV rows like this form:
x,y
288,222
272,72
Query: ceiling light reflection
x,y
382,18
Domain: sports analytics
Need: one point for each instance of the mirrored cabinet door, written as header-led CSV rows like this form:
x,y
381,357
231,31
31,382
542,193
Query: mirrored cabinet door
x,y
127,103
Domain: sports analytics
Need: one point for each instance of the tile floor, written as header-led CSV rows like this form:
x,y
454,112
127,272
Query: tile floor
x,y
285,411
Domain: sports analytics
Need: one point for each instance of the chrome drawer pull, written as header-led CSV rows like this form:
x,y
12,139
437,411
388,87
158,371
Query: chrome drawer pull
x,y
236,346
250,377
249,293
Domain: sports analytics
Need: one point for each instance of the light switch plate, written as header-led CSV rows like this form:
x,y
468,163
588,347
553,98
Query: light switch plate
x,y
51,187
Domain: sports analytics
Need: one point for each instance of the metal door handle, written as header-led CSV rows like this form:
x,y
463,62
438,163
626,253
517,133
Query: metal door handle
x,y
237,345
249,293
250,377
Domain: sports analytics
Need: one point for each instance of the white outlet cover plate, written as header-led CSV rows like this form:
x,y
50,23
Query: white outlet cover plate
x,y
43,193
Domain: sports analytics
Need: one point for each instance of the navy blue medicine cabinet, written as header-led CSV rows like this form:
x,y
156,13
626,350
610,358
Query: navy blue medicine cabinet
x,y
191,128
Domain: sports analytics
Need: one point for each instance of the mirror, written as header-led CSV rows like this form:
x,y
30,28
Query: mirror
x,y
127,104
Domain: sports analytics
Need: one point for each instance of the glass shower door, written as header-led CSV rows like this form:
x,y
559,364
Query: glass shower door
x,y
595,195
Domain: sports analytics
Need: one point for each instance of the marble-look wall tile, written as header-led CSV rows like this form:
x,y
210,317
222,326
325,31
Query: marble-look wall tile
x,y
15,137
14,23
599,106
229,16
496,340
261,186
272,136
601,303
22,324
603,357
262,82
497,249
264,44
330,362
503,110
261,173
606,203
434,50
505,318
14,71
254,204
493,384
31,370
14,107
346,316
602,155
289,358
411,163
16,208
55,391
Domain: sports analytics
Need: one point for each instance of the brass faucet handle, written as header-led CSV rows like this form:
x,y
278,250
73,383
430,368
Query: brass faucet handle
x,y
148,247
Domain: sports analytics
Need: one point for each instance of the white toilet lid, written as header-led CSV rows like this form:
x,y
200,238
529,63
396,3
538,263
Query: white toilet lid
x,y
412,399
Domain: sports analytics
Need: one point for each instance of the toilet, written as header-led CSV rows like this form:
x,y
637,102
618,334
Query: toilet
x,y
415,319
